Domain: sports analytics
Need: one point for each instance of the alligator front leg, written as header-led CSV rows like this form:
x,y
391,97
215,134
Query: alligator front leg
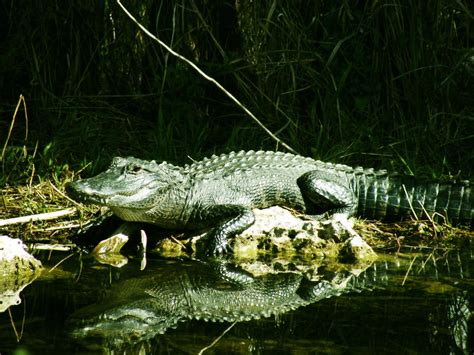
x,y
231,220
327,193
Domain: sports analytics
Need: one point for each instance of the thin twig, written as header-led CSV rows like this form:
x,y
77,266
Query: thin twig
x,y
207,77
408,271
23,319
20,100
58,227
217,339
12,322
65,196
20,335
54,247
61,261
37,217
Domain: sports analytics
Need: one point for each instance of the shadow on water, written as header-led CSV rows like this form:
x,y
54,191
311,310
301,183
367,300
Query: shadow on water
x,y
417,302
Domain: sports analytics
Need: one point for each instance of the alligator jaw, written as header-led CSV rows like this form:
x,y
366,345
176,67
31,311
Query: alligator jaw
x,y
83,193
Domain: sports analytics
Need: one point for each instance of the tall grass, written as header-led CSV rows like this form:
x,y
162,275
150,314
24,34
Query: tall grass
x,y
383,83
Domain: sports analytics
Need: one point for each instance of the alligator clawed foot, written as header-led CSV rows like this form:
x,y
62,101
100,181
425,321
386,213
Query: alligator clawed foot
x,y
218,249
213,244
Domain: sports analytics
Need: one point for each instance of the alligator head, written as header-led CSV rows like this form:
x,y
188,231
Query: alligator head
x,y
130,187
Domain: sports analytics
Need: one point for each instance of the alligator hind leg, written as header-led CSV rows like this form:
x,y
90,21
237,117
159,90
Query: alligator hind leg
x,y
327,194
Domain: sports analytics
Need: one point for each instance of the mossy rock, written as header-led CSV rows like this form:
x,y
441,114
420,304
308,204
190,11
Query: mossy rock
x,y
18,269
280,238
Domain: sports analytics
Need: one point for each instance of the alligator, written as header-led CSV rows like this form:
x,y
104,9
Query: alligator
x,y
140,306
218,193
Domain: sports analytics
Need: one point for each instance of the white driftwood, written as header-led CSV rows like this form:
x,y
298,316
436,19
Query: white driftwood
x,y
37,217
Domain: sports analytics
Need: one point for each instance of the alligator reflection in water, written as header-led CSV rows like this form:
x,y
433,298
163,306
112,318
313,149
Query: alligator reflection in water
x,y
141,307
416,301
420,301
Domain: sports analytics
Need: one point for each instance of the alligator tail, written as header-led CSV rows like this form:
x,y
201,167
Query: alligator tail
x,y
381,196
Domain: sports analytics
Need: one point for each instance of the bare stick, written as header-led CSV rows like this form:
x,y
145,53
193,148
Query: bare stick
x,y
65,196
207,77
20,101
217,339
37,217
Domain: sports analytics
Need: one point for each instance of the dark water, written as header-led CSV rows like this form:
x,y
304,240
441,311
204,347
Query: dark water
x,y
416,301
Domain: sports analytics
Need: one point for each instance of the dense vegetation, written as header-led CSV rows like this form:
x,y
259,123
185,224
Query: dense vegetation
x,y
373,83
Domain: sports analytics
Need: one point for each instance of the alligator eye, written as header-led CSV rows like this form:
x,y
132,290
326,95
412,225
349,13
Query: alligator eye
x,y
134,169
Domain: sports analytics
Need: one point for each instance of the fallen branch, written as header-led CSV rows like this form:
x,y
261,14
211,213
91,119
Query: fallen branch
x,y
37,217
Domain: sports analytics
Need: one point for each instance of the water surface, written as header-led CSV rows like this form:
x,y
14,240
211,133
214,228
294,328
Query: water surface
x,y
413,301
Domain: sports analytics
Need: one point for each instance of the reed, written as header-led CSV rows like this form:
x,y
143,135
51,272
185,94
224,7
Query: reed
x,y
374,83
